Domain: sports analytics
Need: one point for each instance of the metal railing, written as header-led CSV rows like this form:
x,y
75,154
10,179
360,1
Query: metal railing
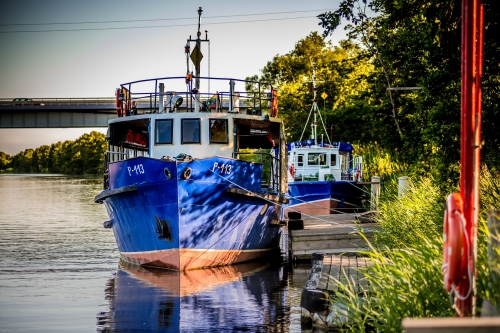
x,y
147,91
271,168
59,101
108,158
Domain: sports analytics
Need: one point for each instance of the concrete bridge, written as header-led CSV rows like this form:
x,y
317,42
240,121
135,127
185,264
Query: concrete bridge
x,y
56,112
74,112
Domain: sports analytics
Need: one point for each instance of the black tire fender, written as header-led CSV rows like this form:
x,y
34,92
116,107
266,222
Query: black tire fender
x,y
168,173
186,174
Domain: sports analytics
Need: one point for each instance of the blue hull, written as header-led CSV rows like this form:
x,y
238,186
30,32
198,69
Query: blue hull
x,y
189,222
331,195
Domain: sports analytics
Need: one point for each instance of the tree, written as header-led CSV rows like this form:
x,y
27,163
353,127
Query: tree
x,y
419,42
82,156
5,160
341,71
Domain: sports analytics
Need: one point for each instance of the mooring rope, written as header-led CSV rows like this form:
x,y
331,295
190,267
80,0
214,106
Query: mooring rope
x,y
358,187
273,202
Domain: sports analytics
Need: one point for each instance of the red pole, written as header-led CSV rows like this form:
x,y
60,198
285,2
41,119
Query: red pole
x,y
472,37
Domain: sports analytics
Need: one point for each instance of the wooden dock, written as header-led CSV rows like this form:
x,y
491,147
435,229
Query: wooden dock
x,y
332,234
318,296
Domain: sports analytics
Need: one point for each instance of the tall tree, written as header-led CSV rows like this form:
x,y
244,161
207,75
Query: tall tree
x,y
341,72
419,44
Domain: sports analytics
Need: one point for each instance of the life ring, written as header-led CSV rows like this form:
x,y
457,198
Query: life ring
x,y
117,98
453,241
274,103
292,171
186,173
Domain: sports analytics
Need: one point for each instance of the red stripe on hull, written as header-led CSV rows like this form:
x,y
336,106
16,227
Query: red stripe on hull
x,y
184,259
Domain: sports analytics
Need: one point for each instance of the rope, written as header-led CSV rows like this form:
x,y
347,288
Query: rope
x,y
307,121
273,202
357,187
313,204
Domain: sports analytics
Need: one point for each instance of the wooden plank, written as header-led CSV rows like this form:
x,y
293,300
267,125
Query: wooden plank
x,y
340,268
452,325
323,236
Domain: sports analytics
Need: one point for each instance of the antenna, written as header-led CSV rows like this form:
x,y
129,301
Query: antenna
x,y
315,109
196,57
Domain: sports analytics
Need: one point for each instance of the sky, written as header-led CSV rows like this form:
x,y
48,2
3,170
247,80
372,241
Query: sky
x,y
95,56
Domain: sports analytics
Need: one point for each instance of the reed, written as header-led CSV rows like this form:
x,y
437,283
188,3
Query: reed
x,y
405,279
378,161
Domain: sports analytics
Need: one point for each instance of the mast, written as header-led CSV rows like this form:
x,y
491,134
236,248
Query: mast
x,y
198,45
196,57
315,111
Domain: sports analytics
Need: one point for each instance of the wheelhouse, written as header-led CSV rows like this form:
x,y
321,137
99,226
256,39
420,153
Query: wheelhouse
x,y
170,124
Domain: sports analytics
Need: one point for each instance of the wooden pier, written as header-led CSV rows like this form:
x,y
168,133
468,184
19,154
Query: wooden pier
x,y
332,234
320,308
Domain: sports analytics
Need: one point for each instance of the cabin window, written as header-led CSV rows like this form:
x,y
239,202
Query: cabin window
x,y
163,131
190,131
316,159
219,131
300,160
333,160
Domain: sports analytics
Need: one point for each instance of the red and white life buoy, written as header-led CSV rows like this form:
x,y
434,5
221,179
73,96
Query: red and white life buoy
x,y
119,103
453,241
274,103
292,170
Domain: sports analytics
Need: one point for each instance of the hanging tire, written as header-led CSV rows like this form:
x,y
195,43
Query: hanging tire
x,y
295,224
186,174
168,173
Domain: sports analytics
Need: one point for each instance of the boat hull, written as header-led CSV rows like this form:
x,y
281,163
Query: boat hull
x,y
325,197
181,223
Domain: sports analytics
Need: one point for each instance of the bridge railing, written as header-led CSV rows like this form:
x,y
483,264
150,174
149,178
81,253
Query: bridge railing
x,y
58,101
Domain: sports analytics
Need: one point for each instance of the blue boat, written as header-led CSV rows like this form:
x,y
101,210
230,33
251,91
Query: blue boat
x,y
246,297
194,178
324,177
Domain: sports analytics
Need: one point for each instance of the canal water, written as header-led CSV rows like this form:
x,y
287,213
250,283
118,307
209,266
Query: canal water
x,y
60,272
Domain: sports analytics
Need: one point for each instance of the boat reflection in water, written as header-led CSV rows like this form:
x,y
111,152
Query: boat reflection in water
x,y
244,297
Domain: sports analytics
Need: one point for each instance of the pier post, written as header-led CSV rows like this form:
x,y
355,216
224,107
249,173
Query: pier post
x,y
162,91
403,185
231,96
375,192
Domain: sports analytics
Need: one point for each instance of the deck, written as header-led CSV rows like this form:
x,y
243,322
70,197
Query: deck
x,y
332,234
318,296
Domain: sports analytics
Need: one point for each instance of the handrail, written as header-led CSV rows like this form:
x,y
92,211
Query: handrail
x,y
192,97
60,101
274,168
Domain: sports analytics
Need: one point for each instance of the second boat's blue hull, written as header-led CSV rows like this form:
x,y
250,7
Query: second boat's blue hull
x,y
324,197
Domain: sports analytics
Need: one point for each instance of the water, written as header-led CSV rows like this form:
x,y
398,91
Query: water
x,y
60,272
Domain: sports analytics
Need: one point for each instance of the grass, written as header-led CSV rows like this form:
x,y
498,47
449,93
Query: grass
x,y
380,162
405,279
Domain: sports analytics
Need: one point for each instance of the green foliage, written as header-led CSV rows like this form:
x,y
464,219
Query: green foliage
x,y
402,283
488,257
405,44
381,162
5,160
82,156
408,220
405,279
341,74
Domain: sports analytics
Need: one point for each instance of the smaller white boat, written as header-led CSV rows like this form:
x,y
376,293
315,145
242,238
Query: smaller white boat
x,y
323,177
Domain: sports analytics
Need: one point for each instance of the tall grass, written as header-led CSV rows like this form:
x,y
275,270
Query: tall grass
x,y
378,161
405,279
